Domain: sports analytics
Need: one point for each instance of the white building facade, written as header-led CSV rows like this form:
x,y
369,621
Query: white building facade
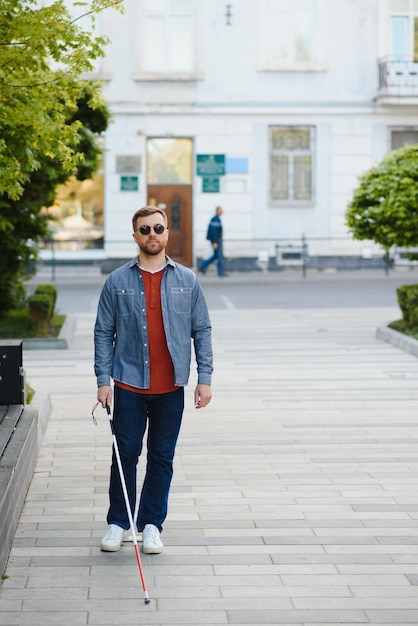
x,y
269,108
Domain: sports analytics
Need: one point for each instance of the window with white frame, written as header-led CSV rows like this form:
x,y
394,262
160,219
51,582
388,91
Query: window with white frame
x,y
290,33
291,165
400,137
404,29
169,36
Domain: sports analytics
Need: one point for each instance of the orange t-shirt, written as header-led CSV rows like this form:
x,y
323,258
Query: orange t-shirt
x,y
161,365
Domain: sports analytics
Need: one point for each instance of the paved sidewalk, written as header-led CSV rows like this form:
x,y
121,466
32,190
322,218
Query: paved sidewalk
x,y
295,496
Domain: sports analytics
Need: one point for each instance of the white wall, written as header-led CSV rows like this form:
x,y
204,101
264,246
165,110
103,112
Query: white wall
x,y
229,109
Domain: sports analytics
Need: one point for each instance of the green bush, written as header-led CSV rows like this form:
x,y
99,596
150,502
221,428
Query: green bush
x,y
40,305
51,291
384,206
408,303
17,323
18,296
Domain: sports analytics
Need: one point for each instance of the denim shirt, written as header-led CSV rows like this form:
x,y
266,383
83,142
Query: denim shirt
x,y
121,331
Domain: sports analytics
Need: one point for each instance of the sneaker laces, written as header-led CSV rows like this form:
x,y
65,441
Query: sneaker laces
x,y
153,534
112,533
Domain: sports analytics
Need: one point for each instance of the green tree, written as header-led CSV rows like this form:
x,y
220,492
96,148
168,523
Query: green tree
x,y
50,118
27,224
384,207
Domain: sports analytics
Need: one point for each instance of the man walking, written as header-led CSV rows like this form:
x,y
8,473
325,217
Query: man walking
x,y
150,311
214,235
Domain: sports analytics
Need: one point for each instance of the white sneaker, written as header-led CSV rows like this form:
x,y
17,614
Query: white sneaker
x,y
112,540
151,541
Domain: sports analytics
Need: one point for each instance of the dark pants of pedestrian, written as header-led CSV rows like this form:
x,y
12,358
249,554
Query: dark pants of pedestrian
x,y
217,256
132,412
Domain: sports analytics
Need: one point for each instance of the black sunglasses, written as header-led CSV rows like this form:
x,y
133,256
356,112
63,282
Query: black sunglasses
x,y
145,230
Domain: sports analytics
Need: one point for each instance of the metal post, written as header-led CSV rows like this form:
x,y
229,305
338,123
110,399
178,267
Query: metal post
x,y
304,255
53,259
387,260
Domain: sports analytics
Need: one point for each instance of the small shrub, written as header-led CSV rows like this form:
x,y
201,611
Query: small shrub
x,y
17,323
18,296
402,295
408,303
51,291
30,392
40,311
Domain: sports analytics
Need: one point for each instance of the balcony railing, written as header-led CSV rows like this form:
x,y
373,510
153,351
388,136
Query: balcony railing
x,y
398,77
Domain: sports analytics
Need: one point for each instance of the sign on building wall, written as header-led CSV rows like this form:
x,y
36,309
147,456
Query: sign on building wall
x,y
236,165
210,164
129,183
210,184
128,164
210,167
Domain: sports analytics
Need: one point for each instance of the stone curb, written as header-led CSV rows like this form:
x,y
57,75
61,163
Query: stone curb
x,y
62,342
43,405
397,339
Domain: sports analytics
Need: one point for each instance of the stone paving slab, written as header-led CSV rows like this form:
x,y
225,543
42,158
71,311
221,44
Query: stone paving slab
x,y
294,498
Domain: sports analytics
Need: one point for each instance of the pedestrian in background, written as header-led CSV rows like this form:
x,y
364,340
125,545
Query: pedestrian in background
x,y
150,312
214,235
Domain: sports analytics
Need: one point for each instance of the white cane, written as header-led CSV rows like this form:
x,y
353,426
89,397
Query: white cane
x,y
128,508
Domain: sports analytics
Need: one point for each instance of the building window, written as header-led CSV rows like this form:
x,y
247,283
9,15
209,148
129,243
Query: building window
x,y
400,137
290,36
169,36
404,29
291,165
169,161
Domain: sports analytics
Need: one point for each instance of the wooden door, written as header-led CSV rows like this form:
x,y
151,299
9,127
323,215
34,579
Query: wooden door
x,y
177,202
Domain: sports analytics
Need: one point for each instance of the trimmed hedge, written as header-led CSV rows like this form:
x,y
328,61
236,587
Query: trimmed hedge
x,y
40,310
408,303
42,307
49,290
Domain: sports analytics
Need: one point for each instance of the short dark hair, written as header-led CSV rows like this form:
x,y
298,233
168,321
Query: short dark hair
x,y
148,210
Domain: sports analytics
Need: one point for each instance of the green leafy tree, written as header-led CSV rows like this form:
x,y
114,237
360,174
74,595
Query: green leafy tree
x,y
384,207
50,118
27,223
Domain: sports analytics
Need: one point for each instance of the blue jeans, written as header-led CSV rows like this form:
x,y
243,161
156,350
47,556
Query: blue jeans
x,y
218,256
132,412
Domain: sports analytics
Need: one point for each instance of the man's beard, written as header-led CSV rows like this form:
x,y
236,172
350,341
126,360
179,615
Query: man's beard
x,y
154,249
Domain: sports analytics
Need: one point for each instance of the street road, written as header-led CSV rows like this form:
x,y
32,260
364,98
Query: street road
x,y
79,288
